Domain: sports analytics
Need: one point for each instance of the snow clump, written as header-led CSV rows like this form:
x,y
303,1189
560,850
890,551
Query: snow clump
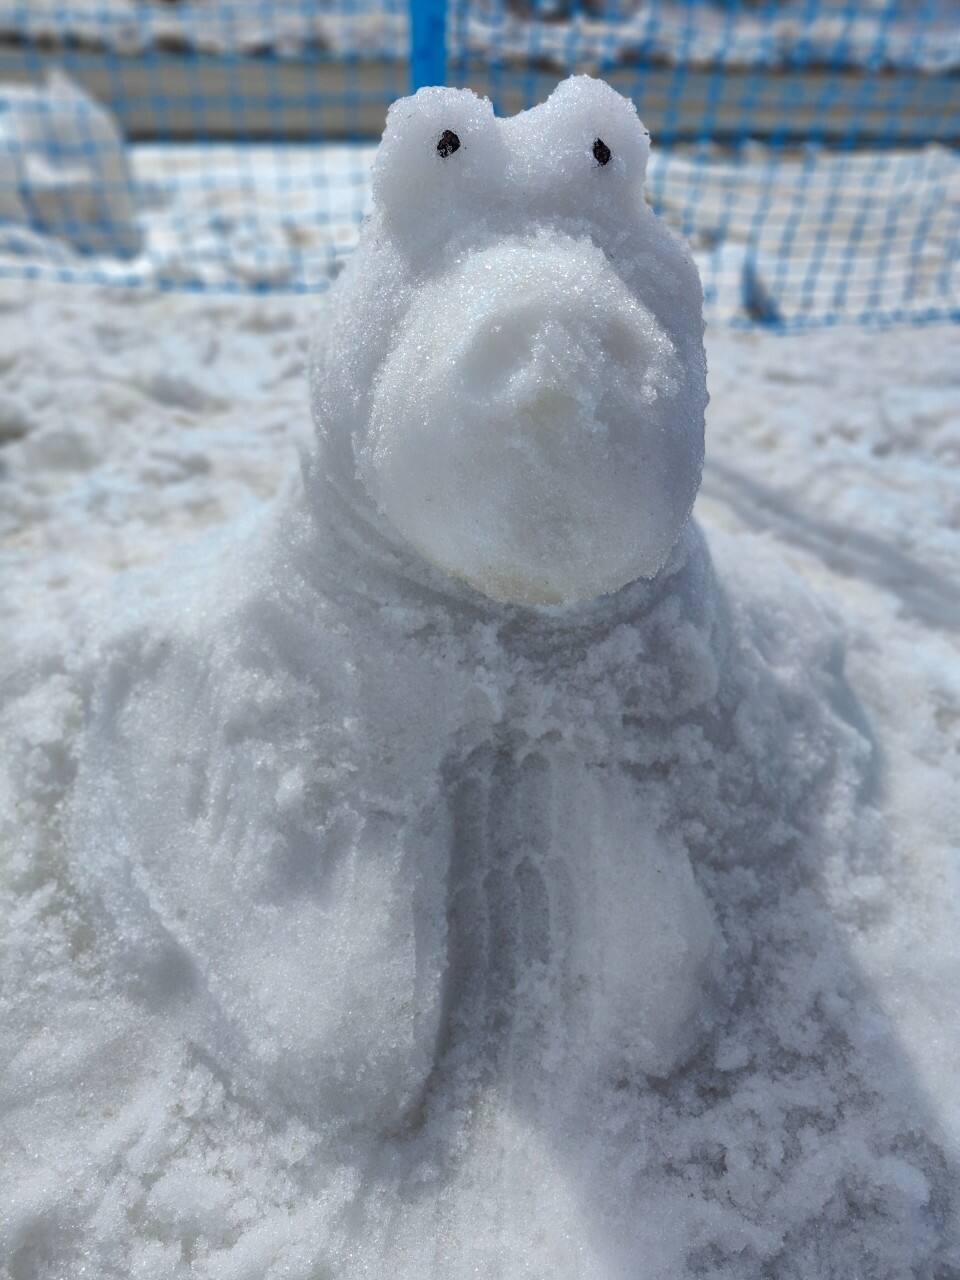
x,y
405,693
527,341
64,169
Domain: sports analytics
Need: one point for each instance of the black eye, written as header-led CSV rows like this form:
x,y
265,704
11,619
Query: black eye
x,y
601,152
447,144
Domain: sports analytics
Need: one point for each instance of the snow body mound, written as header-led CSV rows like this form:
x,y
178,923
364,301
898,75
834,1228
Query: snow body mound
x,y
303,811
468,889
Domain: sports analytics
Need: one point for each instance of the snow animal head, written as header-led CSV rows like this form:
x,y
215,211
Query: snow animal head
x,y
512,378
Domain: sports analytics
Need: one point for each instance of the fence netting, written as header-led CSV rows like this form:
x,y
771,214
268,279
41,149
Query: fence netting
x,y
807,148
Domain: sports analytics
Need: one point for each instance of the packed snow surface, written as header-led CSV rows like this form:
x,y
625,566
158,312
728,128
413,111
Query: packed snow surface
x,y
362,922
64,168
536,427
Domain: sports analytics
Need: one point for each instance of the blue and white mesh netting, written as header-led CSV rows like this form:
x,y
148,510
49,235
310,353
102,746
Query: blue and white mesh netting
x,y
807,148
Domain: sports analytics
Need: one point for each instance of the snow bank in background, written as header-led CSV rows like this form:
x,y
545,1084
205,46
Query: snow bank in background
x,y
843,237
822,34
286,28
64,171
828,33
222,215
635,944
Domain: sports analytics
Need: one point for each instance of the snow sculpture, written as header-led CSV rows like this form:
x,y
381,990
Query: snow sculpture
x,y
364,799
526,341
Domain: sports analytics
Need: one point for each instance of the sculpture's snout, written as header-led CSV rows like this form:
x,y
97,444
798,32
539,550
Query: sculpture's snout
x,y
520,432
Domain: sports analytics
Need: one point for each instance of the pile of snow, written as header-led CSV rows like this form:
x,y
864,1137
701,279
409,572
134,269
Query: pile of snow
x,y
272,872
364,917
892,34
63,171
823,34
371,29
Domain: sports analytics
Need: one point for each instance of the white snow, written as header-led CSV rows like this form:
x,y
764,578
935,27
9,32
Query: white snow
x,y
827,34
830,33
287,28
536,427
64,169
356,925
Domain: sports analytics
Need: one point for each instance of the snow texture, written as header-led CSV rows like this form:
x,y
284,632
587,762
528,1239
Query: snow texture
x,y
829,33
825,34
536,424
64,169
357,923
273,871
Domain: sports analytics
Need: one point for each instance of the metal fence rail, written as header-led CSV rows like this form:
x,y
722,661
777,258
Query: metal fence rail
x,y
808,148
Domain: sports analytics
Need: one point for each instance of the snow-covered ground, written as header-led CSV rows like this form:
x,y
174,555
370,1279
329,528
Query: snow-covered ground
x,y
132,423
794,735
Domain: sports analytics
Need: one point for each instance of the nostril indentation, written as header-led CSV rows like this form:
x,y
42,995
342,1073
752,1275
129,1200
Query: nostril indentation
x,y
549,403
495,354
